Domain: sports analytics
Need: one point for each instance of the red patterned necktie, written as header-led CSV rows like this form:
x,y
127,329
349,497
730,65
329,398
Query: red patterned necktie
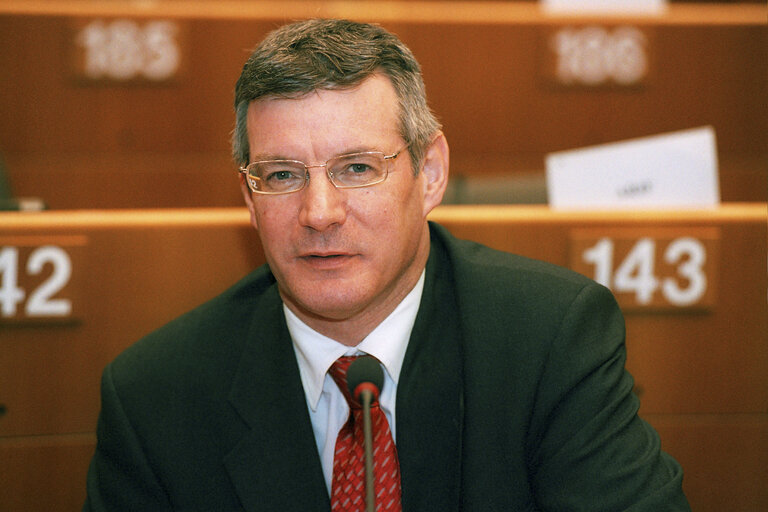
x,y
348,486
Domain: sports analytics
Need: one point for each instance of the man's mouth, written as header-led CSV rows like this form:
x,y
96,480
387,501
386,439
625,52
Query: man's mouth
x,y
326,258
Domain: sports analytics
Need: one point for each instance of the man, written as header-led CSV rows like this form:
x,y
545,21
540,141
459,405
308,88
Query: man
x,y
504,381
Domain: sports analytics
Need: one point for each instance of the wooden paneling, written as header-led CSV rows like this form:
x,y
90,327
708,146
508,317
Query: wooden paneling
x,y
719,452
112,145
138,274
702,374
44,472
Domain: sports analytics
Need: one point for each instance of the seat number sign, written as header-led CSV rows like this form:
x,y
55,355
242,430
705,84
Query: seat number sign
x,y
127,50
660,269
597,56
38,278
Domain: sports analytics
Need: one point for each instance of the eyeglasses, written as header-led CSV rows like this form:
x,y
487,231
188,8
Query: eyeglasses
x,y
353,170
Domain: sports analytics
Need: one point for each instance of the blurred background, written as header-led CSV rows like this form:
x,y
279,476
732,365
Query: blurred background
x,y
128,104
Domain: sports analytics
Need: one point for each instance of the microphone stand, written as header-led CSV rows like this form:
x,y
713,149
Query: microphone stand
x,y
370,493
365,378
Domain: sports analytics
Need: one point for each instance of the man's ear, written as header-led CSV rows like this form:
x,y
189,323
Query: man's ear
x,y
435,169
248,196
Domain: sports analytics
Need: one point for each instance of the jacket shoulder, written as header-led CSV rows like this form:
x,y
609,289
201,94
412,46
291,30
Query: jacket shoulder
x,y
482,269
511,301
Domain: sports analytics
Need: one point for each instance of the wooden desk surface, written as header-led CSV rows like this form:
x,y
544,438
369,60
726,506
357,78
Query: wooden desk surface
x,y
380,11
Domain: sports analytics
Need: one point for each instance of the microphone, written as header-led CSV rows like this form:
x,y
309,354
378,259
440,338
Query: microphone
x,y
365,379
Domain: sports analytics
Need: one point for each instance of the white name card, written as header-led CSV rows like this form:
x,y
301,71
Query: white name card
x,y
674,170
609,7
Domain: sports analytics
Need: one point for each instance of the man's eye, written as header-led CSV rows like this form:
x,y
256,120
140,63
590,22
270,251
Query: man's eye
x,y
358,168
281,176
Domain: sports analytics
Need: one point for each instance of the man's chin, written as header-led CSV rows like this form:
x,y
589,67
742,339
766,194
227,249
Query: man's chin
x,y
330,305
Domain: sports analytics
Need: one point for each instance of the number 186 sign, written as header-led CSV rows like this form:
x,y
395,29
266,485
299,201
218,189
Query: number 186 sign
x,y
655,269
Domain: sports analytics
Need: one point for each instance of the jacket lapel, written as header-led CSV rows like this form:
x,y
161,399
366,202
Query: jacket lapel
x,y
430,400
275,465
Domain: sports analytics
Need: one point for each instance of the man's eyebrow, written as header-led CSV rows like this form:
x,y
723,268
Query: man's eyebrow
x,y
261,157
358,149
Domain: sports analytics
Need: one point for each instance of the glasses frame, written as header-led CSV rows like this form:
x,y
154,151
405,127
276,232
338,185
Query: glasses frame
x,y
328,173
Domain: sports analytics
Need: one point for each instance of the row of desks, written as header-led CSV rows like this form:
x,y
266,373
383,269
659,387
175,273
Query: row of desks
x,y
78,287
492,71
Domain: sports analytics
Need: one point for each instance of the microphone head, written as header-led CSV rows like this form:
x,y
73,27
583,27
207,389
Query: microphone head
x,y
365,370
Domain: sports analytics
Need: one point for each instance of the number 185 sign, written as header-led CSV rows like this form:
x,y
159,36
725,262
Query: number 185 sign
x,y
127,50
656,269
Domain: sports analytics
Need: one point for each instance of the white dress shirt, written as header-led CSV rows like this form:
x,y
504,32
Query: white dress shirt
x,y
315,353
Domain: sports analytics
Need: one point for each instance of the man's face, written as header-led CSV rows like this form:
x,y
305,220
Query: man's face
x,y
344,255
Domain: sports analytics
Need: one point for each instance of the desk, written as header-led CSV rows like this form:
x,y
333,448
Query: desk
x,y
485,66
701,369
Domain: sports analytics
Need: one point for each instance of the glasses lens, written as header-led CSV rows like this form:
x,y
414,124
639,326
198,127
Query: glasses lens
x,y
358,170
277,177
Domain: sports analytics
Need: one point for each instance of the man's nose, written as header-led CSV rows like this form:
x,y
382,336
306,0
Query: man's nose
x,y
322,204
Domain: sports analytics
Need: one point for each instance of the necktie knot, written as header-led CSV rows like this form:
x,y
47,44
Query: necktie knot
x,y
338,372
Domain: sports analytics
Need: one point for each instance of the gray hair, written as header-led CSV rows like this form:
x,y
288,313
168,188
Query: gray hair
x,y
302,57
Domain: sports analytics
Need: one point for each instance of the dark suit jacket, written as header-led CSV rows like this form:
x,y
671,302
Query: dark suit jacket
x,y
513,396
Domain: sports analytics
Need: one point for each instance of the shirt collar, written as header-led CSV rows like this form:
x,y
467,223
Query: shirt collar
x,y
316,353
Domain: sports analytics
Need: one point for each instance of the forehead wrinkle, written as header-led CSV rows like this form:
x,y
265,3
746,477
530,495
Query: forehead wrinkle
x,y
310,120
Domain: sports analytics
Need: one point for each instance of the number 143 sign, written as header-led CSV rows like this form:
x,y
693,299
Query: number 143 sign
x,y
662,268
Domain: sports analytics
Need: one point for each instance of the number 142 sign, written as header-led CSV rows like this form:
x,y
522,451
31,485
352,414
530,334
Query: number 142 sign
x,y
655,269
40,278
